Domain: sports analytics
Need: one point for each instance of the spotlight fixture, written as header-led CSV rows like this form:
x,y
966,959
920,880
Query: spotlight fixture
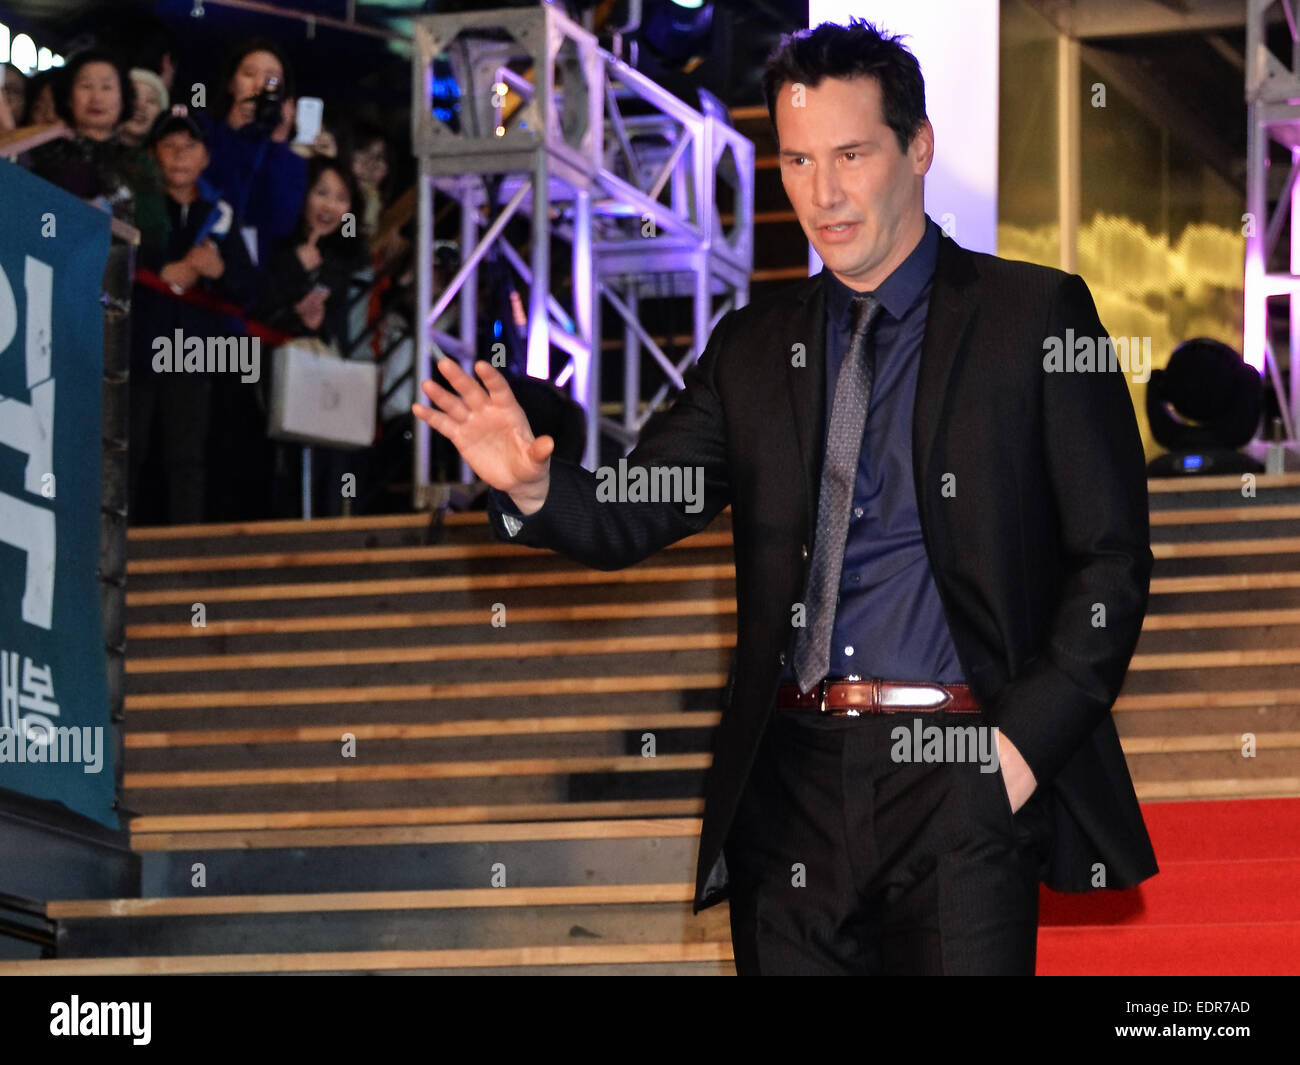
x,y
1204,406
678,29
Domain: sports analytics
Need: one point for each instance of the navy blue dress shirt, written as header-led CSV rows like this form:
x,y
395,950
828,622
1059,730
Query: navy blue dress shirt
x,y
889,622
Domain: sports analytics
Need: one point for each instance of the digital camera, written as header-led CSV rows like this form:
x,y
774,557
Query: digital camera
x,y
268,106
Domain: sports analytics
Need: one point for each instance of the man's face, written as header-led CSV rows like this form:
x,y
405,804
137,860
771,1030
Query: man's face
x,y
841,164
181,159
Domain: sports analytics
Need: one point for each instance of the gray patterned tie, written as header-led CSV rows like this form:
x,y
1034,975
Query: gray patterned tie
x,y
812,651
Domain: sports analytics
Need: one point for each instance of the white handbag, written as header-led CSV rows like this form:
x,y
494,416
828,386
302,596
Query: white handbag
x,y
318,397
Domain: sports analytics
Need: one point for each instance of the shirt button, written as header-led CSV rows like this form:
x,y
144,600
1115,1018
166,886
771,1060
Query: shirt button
x,y
857,512
854,579
781,658
803,550
849,651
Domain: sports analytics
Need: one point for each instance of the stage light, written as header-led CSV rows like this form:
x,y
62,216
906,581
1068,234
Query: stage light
x,y
1203,407
678,30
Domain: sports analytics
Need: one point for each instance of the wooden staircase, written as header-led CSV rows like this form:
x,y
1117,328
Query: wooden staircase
x,y
499,812
516,755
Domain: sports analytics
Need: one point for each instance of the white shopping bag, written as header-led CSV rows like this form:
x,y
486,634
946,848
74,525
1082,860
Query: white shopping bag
x,y
322,399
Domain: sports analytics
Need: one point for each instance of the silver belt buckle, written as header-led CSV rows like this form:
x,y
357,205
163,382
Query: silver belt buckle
x,y
852,711
821,701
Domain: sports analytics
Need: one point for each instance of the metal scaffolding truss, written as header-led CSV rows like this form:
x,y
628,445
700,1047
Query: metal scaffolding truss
x,y
558,150
1273,116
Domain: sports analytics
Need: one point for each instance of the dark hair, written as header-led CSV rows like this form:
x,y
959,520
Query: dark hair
x,y
362,135
243,51
67,77
35,86
852,51
347,246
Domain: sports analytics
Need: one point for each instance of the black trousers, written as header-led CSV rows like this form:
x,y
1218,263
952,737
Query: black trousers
x,y
845,861
169,419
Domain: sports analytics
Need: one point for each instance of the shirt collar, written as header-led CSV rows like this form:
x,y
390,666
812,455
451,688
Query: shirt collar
x,y
900,289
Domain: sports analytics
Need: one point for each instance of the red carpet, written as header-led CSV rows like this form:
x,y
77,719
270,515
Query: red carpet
x,y
1225,901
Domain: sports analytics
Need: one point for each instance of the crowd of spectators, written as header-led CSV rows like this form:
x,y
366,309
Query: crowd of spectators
x,y
243,231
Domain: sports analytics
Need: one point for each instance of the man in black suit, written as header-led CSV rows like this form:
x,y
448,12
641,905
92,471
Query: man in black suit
x,y
972,561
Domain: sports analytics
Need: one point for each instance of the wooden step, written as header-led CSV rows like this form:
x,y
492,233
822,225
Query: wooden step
x,y
656,699
420,826
1221,619
562,851
407,827
1226,582
529,726
510,958
507,651
148,533
208,905
1216,659
1277,545
299,776
331,774
1175,700
1219,741
511,689
424,586
1262,512
370,556
483,918
485,601
256,626
1219,487
1222,788
450,652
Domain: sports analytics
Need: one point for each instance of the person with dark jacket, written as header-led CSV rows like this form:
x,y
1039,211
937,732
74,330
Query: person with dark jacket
x,y
93,95
251,162
304,293
305,288
196,284
943,558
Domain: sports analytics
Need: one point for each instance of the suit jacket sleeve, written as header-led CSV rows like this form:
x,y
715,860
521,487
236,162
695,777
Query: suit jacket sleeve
x,y
1097,476
611,535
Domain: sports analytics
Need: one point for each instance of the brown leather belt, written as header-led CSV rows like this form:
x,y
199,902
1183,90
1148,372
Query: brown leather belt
x,y
853,697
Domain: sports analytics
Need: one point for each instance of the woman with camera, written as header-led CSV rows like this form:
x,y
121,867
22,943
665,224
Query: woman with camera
x,y
252,163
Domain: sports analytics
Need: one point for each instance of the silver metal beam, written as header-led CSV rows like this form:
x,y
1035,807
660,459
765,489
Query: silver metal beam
x,y
580,147
1273,116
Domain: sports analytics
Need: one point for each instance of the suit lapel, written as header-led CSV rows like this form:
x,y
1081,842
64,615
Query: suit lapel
x,y
952,305
806,385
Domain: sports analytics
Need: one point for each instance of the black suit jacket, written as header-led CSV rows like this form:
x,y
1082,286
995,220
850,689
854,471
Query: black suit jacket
x,y
1031,488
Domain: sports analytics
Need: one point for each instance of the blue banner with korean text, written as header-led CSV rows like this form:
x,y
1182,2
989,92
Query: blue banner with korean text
x,y
54,712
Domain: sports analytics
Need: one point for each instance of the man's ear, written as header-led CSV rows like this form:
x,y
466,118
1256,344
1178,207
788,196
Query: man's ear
x,y
921,150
